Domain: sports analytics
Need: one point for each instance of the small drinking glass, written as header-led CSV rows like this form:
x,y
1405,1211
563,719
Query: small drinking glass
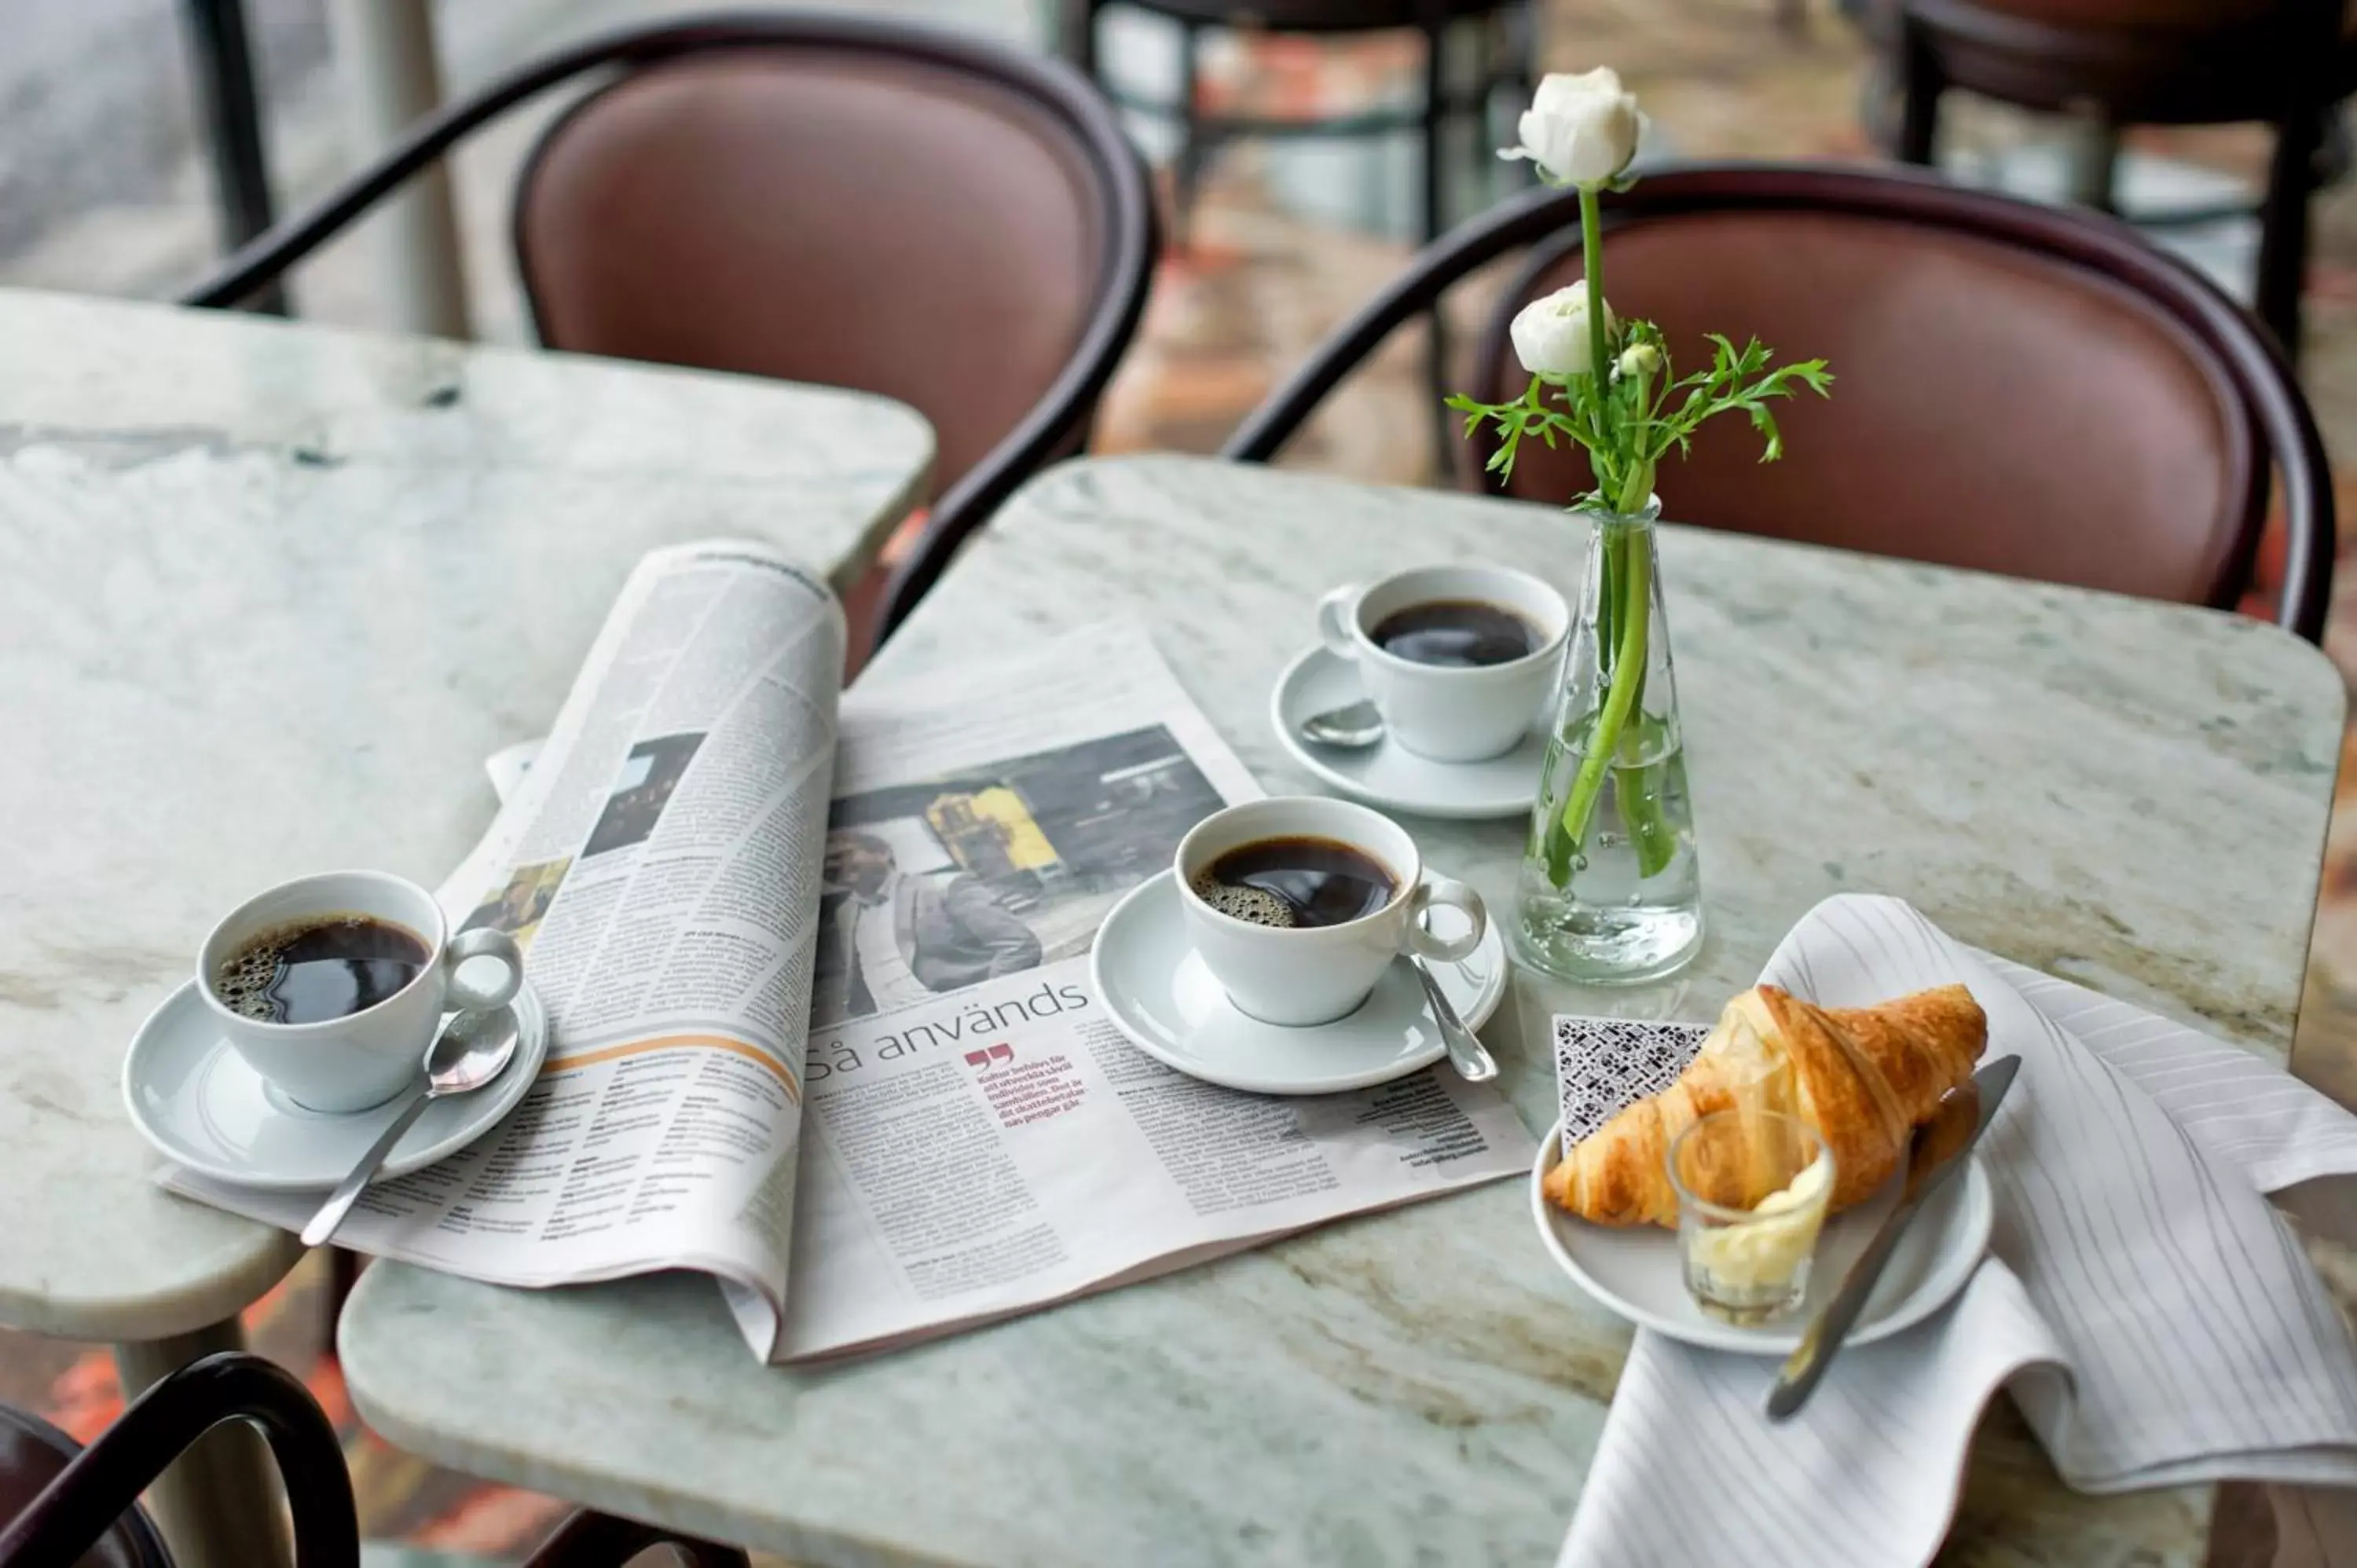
x,y
1752,1189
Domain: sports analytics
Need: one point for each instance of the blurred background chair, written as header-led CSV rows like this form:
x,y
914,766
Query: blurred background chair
x,y
61,1503
2050,397
1502,63
2120,63
828,198
1499,82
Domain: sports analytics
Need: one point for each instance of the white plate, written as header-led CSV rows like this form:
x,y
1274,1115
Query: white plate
x,y
1388,775
1636,1272
193,1097
1161,995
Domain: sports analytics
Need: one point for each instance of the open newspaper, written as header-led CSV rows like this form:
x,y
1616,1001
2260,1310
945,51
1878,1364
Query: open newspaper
x,y
817,977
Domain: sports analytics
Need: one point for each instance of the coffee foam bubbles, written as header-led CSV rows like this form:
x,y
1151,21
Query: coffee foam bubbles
x,y
244,983
1255,905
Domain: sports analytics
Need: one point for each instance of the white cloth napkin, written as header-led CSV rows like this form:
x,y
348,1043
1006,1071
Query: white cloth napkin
x,y
2153,1317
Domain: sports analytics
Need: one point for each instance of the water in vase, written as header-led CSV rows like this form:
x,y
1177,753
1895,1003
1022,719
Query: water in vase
x,y
1626,904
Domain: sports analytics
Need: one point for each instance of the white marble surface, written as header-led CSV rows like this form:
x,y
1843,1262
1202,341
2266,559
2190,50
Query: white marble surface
x,y
2130,794
268,593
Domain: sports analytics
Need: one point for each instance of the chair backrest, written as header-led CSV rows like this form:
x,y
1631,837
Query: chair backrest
x,y
2018,389
849,213
837,199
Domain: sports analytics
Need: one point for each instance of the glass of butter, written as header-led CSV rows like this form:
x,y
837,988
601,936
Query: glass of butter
x,y
1752,1190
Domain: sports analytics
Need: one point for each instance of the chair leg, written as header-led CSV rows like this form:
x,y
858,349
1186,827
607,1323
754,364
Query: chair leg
x,y
1918,95
1186,169
2283,225
1076,35
2095,155
1436,223
343,1274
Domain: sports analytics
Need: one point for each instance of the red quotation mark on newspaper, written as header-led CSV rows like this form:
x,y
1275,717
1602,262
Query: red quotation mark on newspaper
x,y
983,1058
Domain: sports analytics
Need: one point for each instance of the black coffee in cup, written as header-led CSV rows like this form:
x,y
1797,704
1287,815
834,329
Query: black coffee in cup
x,y
319,967
1456,634
1295,881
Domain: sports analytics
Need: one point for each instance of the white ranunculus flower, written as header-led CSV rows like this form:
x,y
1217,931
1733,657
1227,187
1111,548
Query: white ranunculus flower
x,y
1582,130
1550,334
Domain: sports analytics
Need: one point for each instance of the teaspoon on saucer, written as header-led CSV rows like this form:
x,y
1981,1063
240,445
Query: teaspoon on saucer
x,y
1466,1053
472,1049
1353,727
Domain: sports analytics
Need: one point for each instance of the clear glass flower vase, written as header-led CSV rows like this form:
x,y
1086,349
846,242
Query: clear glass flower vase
x,y
1611,890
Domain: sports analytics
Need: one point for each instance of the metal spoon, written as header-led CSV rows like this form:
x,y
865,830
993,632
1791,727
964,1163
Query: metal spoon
x,y
1466,1053
472,1049
1352,728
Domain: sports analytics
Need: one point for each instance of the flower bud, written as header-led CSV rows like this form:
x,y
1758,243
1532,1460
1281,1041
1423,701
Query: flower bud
x,y
1639,359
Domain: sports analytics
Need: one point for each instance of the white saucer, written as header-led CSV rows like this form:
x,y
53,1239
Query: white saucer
x,y
1636,1273
1160,995
193,1097
1386,773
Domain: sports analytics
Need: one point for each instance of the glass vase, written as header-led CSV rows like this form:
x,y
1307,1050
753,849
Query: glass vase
x,y
1611,890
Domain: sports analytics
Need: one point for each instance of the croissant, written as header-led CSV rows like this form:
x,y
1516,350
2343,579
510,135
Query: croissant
x,y
1865,1078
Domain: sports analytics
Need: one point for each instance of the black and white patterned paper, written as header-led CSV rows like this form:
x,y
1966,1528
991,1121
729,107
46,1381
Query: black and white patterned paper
x,y
1603,1064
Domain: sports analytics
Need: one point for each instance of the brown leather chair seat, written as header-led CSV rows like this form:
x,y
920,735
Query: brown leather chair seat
x,y
831,216
1993,408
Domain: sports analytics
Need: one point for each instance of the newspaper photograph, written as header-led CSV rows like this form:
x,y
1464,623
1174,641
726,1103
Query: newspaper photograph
x,y
803,952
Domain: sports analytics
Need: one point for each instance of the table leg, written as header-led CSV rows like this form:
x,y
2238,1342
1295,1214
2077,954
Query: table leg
x,y
220,1504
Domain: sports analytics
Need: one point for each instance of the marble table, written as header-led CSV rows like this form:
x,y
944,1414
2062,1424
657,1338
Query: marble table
x,y
2133,795
268,594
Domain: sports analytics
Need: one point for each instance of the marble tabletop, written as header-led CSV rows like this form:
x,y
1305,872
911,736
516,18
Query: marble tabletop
x,y
268,594
2130,794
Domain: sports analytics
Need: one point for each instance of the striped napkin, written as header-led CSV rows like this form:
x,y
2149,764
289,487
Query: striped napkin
x,y
2152,1316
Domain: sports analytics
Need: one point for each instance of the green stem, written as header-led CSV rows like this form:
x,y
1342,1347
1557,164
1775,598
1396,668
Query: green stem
x,y
1591,254
1626,676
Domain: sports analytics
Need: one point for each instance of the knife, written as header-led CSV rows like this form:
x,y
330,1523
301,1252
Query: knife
x,y
1936,1153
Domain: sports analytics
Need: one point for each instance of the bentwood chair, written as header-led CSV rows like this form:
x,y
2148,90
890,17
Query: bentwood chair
x,y
1504,29
2018,390
63,1504
1504,65
831,198
2286,63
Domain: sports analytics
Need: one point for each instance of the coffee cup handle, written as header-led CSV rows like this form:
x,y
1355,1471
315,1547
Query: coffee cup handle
x,y
1335,614
482,942
1446,891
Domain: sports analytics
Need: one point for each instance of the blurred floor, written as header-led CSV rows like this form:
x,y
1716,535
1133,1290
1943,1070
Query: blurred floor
x,y
1259,286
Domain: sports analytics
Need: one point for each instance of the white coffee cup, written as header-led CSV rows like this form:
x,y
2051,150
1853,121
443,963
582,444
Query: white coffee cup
x,y
365,1057
1450,712
1304,975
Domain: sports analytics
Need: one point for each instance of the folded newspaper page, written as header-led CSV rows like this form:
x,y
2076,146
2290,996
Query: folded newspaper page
x,y
818,981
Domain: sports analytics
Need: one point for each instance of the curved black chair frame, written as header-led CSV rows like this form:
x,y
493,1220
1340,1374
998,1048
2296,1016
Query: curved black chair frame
x,y
2244,350
1056,426
136,1536
105,1479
